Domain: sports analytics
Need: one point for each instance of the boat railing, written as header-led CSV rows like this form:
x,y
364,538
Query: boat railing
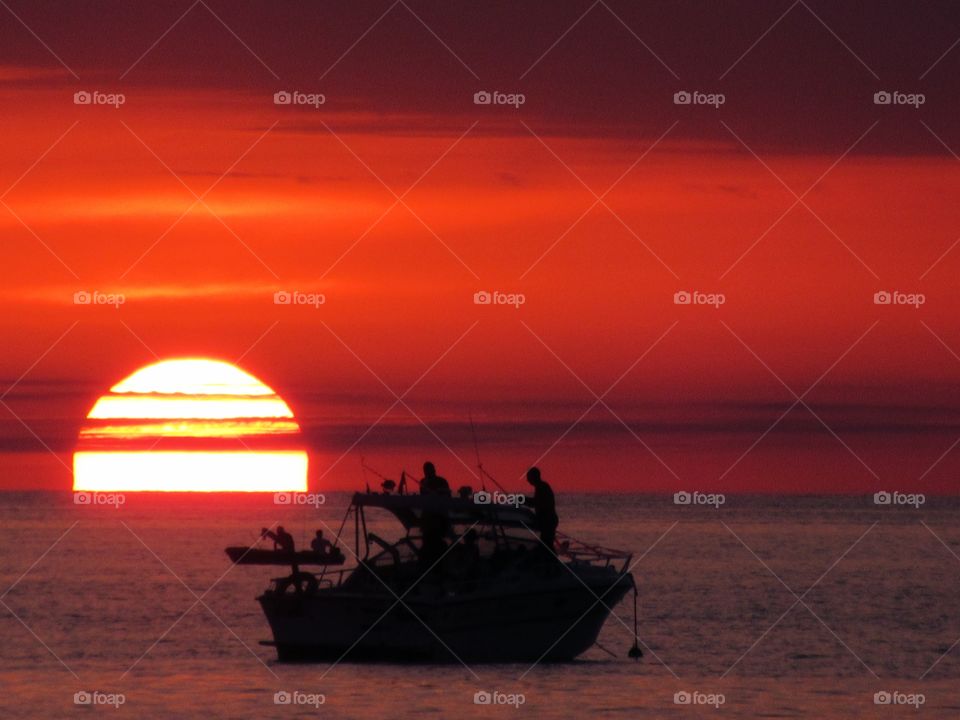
x,y
335,578
325,578
567,547
579,551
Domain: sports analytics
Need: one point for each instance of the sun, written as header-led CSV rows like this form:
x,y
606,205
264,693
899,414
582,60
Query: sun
x,y
190,425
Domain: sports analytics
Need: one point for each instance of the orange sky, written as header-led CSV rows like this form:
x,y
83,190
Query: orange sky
x,y
103,200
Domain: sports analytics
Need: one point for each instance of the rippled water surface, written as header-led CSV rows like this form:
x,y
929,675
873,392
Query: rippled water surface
x,y
785,607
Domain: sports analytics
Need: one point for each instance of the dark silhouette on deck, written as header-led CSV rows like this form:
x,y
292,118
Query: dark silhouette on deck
x,y
434,525
433,483
545,507
282,540
321,545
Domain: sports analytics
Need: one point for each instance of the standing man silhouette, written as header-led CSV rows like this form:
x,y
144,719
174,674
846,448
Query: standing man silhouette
x,y
433,523
544,506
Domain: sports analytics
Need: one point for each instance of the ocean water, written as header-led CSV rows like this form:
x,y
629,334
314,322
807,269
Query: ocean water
x,y
764,607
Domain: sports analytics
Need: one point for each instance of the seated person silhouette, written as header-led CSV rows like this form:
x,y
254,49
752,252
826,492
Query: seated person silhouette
x,y
433,484
321,545
282,540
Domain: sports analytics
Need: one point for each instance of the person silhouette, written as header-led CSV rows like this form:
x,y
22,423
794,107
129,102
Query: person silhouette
x,y
281,538
321,545
433,523
433,484
544,507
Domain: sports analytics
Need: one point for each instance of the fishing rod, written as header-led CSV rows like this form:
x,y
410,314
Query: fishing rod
x,y
366,468
363,464
483,471
402,486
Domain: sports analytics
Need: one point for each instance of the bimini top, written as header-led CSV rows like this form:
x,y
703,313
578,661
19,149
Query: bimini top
x,y
461,511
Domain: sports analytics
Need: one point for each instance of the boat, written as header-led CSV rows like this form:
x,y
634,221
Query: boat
x,y
260,556
515,600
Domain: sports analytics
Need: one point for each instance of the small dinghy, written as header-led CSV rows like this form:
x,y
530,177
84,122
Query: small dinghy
x,y
260,556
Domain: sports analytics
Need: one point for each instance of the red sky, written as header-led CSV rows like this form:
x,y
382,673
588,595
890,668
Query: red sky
x,y
500,199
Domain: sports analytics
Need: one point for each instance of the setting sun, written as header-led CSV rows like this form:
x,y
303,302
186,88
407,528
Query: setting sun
x,y
190,424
